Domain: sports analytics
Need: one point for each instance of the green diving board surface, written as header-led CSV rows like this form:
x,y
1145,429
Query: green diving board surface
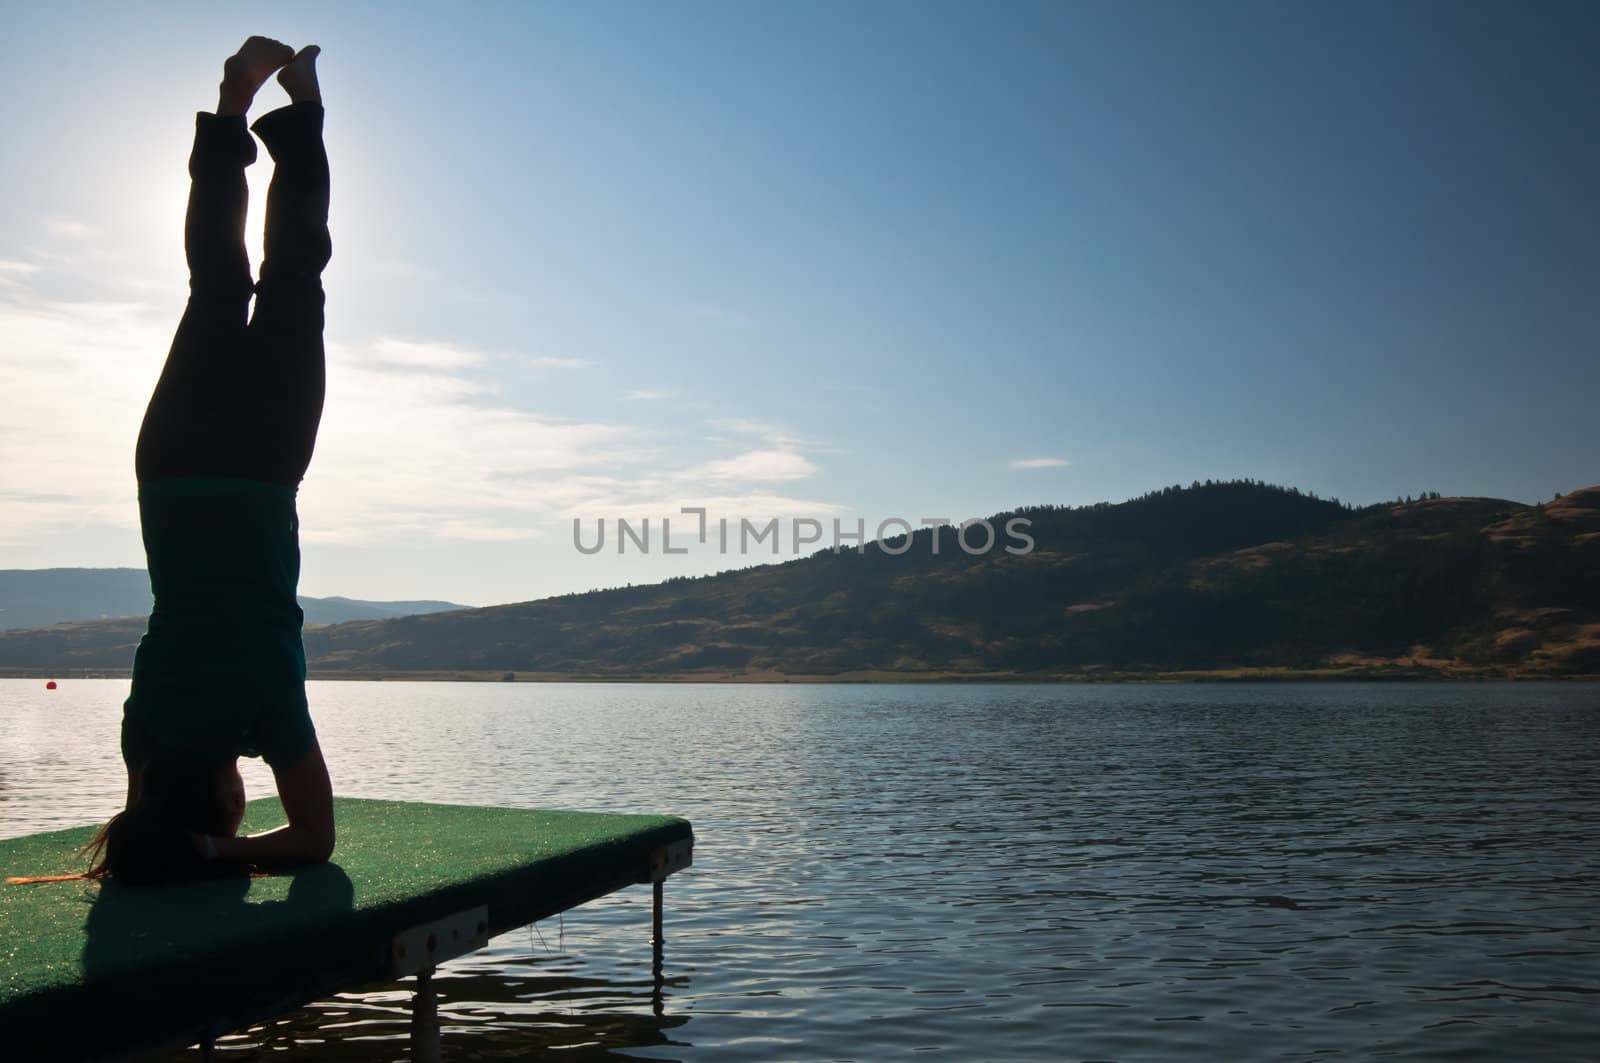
x,y
90,970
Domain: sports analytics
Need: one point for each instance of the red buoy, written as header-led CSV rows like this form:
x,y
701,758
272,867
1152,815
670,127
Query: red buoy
x,y
50,685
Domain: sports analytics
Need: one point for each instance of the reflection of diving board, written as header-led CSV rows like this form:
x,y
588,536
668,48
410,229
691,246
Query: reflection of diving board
x,y
88,970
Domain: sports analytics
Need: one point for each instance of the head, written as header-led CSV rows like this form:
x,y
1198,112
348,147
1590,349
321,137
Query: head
x,y
180,794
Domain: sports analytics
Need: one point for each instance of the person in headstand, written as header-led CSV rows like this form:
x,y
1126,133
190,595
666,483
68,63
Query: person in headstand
x,y
226,440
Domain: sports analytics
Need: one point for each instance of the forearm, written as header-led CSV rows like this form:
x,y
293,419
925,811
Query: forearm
x,y
286,846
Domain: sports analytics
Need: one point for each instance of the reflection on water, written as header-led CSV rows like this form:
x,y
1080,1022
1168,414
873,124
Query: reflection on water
x,y
1130,872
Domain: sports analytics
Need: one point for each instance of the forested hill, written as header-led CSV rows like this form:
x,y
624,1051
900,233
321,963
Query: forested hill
x,y
1215,577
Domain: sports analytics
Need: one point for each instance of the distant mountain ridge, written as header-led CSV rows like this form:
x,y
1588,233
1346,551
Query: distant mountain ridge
x,y
31,598
1225,578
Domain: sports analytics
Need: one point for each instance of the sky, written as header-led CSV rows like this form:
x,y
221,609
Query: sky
x,y
596,262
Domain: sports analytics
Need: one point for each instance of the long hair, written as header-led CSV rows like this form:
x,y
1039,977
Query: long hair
x,y
150,842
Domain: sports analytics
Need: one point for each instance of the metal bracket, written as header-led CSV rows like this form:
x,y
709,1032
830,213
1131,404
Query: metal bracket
x,y
430,944
669,858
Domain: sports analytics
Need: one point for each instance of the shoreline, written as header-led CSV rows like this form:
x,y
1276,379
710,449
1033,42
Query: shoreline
x,y
1365,674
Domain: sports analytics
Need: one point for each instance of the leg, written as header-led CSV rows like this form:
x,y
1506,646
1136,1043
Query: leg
x,y
180,421
425,1020
185,428
287,372
213,227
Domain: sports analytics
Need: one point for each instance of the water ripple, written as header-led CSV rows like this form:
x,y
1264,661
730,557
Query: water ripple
x,y
1007,873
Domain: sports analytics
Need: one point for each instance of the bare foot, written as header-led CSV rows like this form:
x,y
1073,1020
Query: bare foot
x,y
299,78
247,70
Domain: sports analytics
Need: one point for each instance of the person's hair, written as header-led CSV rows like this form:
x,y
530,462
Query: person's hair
x,y
150,842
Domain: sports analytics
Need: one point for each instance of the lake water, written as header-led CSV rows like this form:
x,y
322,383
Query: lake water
x,y
1130,872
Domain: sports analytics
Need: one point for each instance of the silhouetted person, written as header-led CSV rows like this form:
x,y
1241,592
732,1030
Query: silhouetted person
x,y
227,437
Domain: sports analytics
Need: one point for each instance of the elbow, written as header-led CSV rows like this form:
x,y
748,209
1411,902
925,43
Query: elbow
x,y
309,846
321,847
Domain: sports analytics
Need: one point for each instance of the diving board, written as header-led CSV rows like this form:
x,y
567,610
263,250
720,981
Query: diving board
x,y
90,971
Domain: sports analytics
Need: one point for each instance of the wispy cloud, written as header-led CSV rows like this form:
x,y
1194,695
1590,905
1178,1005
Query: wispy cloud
x,y
77,376
17,273
545,361
426,355
433,354
721,315
736,487
1039,463
416,443
755,466
648,395
427,449
758,506
744,429
393,267
67,228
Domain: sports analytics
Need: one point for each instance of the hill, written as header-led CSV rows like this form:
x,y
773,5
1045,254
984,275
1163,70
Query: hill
x,y
31,598
1216,578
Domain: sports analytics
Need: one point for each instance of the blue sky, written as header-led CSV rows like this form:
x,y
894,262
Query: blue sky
x,y
854,261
